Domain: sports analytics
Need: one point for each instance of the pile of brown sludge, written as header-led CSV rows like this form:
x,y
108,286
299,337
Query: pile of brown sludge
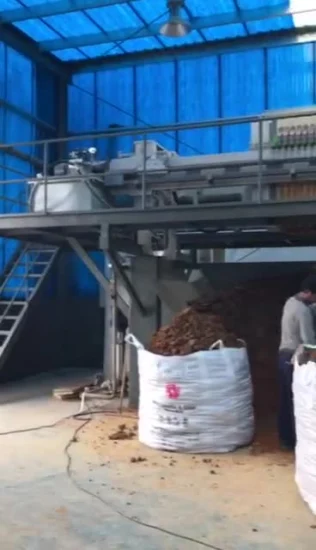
x,y
251,312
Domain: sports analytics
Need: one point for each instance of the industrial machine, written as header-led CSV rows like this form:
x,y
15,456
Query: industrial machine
x,y
280,164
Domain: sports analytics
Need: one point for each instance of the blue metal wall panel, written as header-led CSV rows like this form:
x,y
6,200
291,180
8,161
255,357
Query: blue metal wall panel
x,y
81,109
45,95
81,281
19,69
15,128
155,99
242,90
115,106
291,75
19,113
198,99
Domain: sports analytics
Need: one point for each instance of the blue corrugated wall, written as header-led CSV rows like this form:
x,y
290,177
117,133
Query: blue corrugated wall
x,y
22,104
225,85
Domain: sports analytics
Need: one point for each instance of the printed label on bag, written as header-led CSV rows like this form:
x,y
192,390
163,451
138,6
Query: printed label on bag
x,y
173,420
173,391
174,408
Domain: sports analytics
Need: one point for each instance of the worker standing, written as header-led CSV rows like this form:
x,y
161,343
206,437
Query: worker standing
x,y
297,327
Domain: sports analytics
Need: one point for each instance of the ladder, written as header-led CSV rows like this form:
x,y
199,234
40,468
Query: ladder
x,y
21,283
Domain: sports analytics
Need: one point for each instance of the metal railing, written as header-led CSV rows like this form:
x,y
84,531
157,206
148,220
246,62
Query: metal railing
x,y
144,134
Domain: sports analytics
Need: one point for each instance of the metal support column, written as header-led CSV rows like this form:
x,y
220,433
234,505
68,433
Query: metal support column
x,y
127,283
109,356
110,328
62,116
144,279
220,102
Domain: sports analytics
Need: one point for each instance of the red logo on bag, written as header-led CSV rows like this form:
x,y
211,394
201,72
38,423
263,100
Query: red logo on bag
x,y
173,391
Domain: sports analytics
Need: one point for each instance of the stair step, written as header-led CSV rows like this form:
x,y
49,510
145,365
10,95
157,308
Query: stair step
x,y
19,289
28,271
22,264
42,251
13,303
9,317
26,275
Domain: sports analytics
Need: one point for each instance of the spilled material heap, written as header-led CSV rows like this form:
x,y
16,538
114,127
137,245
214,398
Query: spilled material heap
x,y
192,330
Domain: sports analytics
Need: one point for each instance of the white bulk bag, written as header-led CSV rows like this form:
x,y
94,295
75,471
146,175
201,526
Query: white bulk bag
x,y
198,403
304,390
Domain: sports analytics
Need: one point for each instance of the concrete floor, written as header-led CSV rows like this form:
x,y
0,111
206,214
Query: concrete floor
x,y
244,501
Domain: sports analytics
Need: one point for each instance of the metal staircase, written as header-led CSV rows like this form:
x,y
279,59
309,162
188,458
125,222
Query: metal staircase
x,y
21,283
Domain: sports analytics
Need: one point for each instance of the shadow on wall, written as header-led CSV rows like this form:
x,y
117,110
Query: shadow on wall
x,y
58,335
63,330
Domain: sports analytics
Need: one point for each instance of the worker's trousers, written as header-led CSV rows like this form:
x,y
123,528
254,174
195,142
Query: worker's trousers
x,y
286,420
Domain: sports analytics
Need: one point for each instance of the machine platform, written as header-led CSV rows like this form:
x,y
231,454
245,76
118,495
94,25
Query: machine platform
x,y
204,226
265,196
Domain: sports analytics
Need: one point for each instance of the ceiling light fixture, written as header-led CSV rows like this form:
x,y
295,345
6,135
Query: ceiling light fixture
x,y
176,26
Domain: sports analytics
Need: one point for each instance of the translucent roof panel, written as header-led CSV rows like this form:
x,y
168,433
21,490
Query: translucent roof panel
x,y
87,29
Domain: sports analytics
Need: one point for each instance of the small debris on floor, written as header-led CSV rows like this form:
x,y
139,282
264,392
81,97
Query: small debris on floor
x,y
255,530
207,460
122,433
136,459
213,472
313,526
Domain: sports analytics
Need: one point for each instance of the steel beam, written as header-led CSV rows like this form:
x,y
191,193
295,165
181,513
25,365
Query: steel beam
x,y
126,282
62,117
216,215
145,130
34,161
49,237
196,23
248,240
13,37
213,241
93,268
268,39
23,114
239,12
59,7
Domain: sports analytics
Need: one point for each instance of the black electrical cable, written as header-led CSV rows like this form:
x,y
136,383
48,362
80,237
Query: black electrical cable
x,y
78,416
116,510
72,440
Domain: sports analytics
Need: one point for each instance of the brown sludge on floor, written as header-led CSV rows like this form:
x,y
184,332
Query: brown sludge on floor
x,y
122,433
